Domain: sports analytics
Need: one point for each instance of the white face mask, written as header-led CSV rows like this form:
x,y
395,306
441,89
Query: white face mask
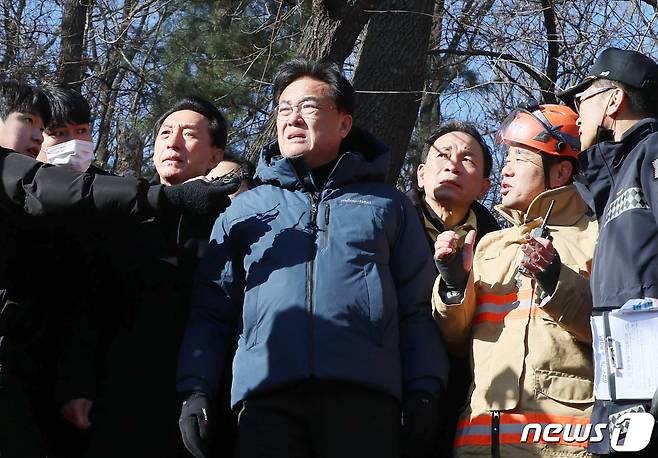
x,y
77,154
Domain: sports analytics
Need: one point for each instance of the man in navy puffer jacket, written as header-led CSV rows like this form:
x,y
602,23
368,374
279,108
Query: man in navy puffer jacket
x,y
323,277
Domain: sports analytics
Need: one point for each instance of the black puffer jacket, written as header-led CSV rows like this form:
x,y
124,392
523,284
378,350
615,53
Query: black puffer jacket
x,y
33,195
155,262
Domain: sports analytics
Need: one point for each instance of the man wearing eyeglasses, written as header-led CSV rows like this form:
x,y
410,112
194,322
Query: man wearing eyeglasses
x,y
618,109
322,273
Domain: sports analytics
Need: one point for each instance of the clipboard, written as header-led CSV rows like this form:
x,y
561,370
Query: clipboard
x,y
625,344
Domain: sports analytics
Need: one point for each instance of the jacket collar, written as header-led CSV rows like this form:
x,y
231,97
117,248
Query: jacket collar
x,y
568,209
478,216
485,220
600,163
155,179
613,153
362,158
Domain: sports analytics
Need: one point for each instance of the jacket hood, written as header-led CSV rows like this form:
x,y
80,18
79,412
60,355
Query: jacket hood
x,y
362,158
569,208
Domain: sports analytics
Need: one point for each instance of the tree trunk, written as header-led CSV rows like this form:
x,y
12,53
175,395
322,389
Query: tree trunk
x,y
330,33
12,25
333,28
429,100
72,36
107,103
394,68
552,61
131,145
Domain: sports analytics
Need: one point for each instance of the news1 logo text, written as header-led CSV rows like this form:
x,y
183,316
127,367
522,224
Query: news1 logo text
x,y
629,432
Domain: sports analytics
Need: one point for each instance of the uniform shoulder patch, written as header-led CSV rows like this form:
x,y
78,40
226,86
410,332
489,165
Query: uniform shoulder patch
x,y
655,169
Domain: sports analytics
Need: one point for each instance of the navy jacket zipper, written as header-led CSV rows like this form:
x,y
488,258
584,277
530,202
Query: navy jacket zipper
x,y
309,279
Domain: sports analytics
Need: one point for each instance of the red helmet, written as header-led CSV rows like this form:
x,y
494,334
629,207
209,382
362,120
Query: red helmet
x,y
550,129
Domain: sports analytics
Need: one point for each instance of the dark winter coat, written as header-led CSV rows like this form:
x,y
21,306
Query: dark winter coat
x,y
335,283
620,184
33,194
459,380
154,262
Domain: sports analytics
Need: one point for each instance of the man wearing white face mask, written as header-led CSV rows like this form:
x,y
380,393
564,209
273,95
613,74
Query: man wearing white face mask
x,y
68,142
67,138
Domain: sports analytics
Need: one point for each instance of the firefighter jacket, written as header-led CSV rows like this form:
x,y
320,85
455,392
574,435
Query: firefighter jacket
x,y
530,352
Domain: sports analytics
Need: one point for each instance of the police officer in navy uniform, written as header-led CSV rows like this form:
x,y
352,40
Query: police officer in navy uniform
x,y
617,105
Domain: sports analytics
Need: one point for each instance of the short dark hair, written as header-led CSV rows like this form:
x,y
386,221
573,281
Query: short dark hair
x,y
67,106
464,127
247,169
639,102
549,160
341,89
16,96
216,121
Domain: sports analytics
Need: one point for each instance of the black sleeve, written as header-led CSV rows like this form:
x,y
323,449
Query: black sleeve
x,y
78,358
29,187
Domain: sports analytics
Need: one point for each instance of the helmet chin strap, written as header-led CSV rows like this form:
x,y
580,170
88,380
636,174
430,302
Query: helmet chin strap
x,y
547,173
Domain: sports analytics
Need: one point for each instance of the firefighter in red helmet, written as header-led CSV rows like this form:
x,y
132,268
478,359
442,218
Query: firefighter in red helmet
x,y
520,303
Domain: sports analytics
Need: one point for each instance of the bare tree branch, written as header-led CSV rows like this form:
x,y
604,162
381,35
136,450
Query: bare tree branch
x,y
527,68
547,84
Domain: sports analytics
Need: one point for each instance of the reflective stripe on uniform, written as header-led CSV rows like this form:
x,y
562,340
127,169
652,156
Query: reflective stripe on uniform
x,y
494,308
477,430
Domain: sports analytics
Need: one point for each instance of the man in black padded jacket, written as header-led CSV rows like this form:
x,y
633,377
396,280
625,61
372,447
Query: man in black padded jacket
x,y
34,195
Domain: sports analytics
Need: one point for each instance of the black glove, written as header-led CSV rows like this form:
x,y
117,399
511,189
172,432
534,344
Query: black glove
x,y
549,277
193,424
453,277
198,197
452,272
419,424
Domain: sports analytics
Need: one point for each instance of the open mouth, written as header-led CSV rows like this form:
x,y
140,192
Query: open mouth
x,y
33,152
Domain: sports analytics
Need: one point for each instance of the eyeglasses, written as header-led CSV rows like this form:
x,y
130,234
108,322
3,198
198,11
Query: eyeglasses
x,y
578,98
307,108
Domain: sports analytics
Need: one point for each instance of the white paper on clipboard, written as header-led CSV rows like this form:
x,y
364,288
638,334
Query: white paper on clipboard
x,y
631,351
